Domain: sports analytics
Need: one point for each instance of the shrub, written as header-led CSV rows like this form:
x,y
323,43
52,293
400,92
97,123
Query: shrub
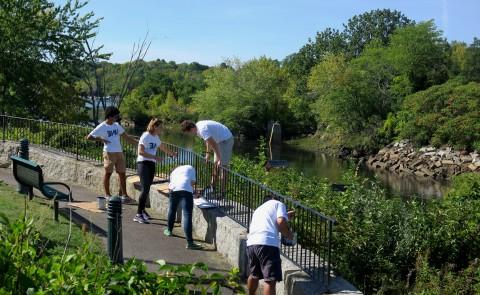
x,y
26,269
443,114
378,238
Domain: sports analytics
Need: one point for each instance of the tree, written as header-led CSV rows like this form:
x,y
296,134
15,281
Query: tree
x,y
41,49
472,62
373,25
420,54
95,77
245,97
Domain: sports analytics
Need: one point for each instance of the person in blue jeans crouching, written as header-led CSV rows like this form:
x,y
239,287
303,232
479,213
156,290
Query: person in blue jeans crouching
x,y
182,181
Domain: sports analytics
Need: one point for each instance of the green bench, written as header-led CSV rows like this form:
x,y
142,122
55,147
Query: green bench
x,y
30,174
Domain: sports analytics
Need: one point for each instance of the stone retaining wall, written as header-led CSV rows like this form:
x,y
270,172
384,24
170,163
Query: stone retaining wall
x,y
437,163
210,225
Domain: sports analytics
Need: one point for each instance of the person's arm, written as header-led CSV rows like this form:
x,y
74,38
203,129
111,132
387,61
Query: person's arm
x,y
283,228
100,139
167,151
128,138
214,146
143,153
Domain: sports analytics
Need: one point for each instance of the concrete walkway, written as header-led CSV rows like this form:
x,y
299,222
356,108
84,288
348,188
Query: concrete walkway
x,y
143,241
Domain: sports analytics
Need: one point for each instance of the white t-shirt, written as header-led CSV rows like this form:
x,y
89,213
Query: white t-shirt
x,y
264,228
208,128
151,144
181,178
112,134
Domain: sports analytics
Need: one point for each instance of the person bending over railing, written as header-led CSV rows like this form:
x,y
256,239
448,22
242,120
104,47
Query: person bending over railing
x,y
218,138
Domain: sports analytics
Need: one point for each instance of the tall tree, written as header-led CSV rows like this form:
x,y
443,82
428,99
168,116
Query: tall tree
x,y
245,96
376,24
41,48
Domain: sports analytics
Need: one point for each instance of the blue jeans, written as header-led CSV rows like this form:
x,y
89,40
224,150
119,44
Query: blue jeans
x,y
186,198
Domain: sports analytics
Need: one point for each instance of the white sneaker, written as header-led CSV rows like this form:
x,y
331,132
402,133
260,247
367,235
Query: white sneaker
x,y
145,216
139,218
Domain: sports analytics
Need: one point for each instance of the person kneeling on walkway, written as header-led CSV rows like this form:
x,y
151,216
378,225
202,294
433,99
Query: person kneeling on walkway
x,y
182,180
263,244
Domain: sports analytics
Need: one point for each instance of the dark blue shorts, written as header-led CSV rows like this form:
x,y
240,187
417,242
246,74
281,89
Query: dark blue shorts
x,y
264,262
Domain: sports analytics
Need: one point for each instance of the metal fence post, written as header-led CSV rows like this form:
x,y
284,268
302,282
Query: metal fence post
x,y
115,246
330,232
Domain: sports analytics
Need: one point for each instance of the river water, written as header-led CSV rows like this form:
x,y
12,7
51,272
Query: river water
x,y
325,166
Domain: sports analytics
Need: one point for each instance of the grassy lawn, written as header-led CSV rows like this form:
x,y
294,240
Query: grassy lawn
x,y
54,234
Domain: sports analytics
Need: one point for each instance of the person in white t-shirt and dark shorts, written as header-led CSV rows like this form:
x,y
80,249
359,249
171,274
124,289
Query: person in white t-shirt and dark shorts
x,y
263,244
148,145
218,138
181,186
109,132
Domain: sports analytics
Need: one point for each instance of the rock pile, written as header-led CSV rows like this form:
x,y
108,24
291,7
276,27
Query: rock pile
x,y
403,158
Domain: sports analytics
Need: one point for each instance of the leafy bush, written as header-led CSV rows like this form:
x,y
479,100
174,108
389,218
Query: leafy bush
x,y
378,238
27,269
433,281
444,114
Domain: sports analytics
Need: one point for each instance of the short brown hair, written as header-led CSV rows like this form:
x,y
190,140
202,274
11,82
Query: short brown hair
x,y
187,125
154,123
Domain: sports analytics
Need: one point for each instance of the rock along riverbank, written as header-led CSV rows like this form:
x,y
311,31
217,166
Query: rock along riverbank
x,y
438,163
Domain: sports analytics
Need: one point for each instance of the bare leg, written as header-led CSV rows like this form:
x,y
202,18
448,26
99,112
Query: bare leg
x,y
213,181
106,183
123,183
252,285
269,288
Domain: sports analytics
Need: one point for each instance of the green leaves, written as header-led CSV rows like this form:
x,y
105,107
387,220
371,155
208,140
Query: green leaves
x,y
85,272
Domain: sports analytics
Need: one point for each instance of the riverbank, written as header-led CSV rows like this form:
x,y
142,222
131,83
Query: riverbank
x,y
401,158
404,158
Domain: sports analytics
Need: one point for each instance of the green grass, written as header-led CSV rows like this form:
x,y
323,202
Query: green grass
x,y
54,234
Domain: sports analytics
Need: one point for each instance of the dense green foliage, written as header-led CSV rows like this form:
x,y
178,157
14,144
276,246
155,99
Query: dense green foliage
x,y
245,96
348,85
162,90
443,114
41,48
378,239
26,269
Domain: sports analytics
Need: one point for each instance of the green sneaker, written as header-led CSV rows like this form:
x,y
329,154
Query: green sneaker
x,y
167,232
194,246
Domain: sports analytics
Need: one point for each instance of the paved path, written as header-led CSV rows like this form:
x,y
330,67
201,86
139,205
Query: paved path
x,y
142,241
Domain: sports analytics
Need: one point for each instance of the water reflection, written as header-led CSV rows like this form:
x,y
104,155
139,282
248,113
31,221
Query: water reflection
x,y
325,166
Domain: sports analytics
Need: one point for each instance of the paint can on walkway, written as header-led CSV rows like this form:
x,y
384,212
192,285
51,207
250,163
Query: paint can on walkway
x,y
102,203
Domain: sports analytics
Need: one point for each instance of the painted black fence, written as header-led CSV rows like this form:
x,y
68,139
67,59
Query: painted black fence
x,y
237,196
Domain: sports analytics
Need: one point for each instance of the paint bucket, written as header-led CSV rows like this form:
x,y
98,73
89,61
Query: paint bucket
x,y
102,203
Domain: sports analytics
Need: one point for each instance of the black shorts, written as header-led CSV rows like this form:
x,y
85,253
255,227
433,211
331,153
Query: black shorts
x,y
264,262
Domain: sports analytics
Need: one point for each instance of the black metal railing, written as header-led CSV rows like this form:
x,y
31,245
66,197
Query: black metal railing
x,y
237,196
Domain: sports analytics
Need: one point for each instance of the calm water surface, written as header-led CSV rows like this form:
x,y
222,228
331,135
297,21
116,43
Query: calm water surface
x,y
323,165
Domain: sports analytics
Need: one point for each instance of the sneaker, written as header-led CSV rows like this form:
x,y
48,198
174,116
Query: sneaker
x,y
194,246
126,200
167,232
139,218
146,215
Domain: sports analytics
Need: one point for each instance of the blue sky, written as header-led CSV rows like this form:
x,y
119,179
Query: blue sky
x,y
210,31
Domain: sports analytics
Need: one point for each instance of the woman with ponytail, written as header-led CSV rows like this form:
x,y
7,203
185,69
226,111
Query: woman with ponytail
x,y
148,145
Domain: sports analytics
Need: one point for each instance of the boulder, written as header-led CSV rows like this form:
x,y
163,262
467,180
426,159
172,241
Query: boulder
x,y
447,162
466,158
382,151
473,167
